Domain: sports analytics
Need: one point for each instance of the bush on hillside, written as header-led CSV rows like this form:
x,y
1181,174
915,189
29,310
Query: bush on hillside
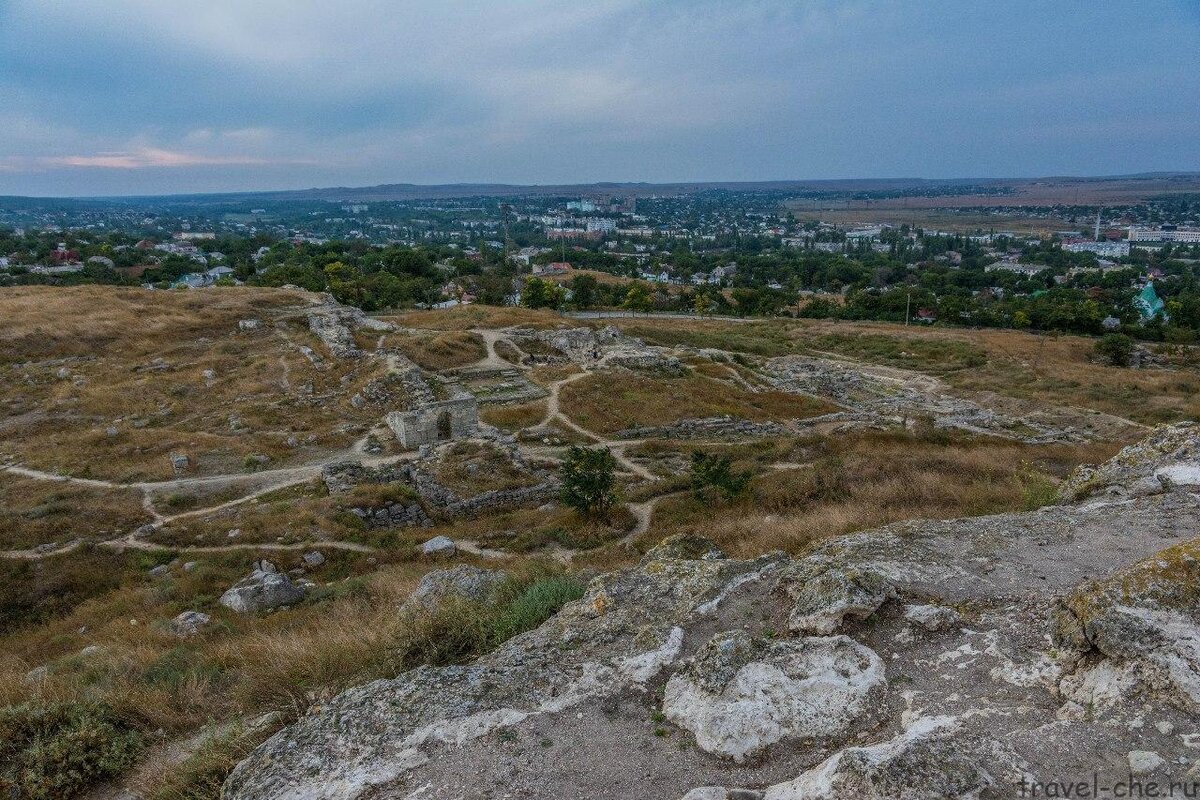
x,y
57,750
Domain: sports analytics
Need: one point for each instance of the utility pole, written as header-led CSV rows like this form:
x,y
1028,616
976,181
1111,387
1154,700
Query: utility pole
x,y
907,307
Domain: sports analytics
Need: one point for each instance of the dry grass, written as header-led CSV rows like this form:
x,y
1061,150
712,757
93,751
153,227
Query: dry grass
x,y
347,632
439,351
1039,370
617,400
105,382
513,418
863,481
472,468
479,316
34,512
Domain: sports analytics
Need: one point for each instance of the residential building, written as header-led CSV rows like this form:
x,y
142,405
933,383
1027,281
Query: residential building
x,y
1164,233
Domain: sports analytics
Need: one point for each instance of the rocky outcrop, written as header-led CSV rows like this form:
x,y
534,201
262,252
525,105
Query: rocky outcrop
x,y
1146,620
1167,459
623,633
740,695
929,761
334,325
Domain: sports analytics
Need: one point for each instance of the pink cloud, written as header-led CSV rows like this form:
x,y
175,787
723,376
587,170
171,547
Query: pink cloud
x,y
147,158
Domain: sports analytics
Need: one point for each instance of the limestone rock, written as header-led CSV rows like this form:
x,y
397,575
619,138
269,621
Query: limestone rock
x,y
932,617
465,581
740,695
439,547
189,623
1169,457
262,590
824,594
684,546
1143,762
621,634
721,793
1145,618
314,559
926,762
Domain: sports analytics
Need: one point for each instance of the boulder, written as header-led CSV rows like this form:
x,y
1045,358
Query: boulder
x,y
464,581
739,695
1146,620
189,623
262,590
721,793
314,559
439,547
926,762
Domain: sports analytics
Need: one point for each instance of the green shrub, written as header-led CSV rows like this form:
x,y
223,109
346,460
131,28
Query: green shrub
x,y
57,750
715,472
540,600
589,480
1116,348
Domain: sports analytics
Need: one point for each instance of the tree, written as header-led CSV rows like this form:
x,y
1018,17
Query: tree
x,y
541,294
589,480
1117,348
583,291
715,472
638,298
703,305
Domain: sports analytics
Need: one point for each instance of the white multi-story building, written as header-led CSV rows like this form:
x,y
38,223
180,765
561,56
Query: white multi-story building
x,y
1166,233
601,224
1106,249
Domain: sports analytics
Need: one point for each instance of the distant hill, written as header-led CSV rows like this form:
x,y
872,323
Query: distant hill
x,y
1067,189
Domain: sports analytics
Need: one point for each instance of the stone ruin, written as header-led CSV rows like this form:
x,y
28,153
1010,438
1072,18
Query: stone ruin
x,y
439,421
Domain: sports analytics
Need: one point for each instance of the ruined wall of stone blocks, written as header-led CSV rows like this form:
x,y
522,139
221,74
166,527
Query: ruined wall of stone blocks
x,y
436,422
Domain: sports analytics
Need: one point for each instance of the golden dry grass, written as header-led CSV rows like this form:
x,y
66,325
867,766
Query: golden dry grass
x,y
479,316
440,351
102,382
618,399
862,481
514,417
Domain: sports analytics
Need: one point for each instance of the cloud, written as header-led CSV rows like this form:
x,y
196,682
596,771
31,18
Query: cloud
x,y
293,93
147,158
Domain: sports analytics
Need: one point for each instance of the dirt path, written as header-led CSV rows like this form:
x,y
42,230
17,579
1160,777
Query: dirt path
x,y
644,513
492,360
130,542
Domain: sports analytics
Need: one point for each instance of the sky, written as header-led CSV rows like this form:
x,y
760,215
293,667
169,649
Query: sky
x,y
111,97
